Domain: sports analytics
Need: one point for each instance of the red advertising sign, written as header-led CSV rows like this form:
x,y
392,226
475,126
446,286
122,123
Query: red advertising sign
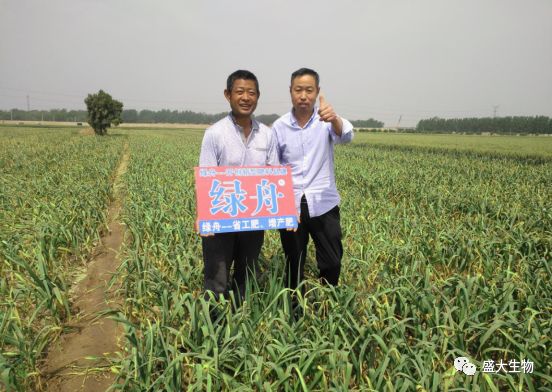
x,y
244,198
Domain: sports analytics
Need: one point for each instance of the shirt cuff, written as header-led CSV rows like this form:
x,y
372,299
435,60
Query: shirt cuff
x,y
346,134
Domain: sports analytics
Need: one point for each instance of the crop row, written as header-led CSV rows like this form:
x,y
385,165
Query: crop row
x,y
54,190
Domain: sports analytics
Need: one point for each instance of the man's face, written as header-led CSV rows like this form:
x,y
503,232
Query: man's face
x,y
243,97
303,93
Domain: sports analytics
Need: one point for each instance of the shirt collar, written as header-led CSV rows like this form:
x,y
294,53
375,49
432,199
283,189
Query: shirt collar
x,y
254,123
293,120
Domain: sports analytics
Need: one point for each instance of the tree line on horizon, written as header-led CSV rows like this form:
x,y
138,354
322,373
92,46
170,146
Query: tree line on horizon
x,y
505,125
147,116
128,116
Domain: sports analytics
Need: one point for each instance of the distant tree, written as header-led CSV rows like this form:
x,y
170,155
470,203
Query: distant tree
x,y
103,111
146,116
130,116
267,119
370,123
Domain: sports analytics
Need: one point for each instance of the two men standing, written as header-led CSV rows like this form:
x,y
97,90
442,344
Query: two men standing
x,y
304,140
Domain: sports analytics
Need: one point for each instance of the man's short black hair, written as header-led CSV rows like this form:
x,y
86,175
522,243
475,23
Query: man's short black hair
x,y
306,71
241,74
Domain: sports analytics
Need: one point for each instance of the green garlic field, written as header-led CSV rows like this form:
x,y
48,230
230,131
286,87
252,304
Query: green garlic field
x,y
448,249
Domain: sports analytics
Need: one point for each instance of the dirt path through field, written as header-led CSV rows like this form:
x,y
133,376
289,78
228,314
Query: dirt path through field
x,y
80,361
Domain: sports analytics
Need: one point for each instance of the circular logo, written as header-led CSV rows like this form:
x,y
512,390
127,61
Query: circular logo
x,y
460,362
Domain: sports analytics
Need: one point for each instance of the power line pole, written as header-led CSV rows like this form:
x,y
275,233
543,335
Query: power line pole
x,y
495,109
28,103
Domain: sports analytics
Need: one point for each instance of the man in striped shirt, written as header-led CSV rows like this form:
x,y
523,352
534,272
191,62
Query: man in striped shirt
x,y
236,140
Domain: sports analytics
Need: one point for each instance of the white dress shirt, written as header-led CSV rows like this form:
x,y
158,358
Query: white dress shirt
x,y
310,153
223,145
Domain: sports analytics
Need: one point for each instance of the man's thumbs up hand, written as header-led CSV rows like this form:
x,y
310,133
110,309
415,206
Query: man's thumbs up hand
x,y
322,100
325,111
327,114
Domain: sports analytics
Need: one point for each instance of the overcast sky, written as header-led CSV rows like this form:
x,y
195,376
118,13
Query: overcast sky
x,y
382,59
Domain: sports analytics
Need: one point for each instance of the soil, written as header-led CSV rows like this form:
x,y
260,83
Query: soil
x,y
81,360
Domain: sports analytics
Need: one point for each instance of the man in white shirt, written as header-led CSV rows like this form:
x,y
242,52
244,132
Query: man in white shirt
x,y
305,140
236,140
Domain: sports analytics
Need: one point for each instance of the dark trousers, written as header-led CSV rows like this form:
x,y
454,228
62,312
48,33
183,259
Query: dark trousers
x,y
220,250
325,231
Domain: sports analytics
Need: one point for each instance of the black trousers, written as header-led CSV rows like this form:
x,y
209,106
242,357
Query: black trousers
x,y
325,231
220,251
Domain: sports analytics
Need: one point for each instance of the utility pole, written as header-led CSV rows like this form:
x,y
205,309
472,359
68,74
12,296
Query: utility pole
x,y
399,122
495,109
28,103
11,115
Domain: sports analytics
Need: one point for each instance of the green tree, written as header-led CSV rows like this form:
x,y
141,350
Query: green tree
x,y
103,111
130,115
370,123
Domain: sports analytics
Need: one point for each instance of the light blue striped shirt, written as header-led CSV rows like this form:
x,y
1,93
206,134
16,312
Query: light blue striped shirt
x,y
223,145
310,152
